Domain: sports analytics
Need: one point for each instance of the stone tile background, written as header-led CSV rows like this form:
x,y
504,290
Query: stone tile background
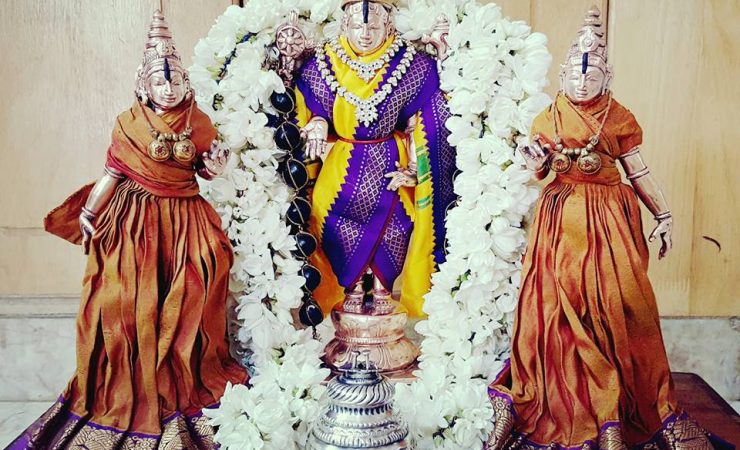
x,y
37,355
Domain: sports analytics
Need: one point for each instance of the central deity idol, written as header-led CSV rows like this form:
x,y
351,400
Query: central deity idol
x,y
381,191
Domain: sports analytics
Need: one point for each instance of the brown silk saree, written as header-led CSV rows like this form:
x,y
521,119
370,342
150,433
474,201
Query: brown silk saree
x,y
152,348
588,367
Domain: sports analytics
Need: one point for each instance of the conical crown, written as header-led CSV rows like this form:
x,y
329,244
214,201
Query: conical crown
x,y
159,51
590,45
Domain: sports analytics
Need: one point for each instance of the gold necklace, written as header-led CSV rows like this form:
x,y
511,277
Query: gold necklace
x,y
588,162
177,145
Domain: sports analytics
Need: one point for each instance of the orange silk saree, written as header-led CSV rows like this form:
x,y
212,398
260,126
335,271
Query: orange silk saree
x,y
152,348
588,368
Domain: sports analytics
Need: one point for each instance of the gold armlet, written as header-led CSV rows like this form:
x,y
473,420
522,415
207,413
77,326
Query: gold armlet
x,y
638,174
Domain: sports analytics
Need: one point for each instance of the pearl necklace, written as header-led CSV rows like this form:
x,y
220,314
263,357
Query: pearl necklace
x,y
366,110
366,71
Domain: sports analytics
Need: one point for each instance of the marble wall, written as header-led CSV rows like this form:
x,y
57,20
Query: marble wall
x,y
37,348
37,355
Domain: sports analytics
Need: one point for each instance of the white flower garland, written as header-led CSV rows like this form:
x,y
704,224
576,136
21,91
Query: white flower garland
x,y
494,76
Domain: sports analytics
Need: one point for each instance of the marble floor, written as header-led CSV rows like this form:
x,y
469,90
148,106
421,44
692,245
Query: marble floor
x,y
16,416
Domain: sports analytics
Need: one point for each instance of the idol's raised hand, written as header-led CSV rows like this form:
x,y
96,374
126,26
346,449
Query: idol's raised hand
x,y
534,155
316,133
215,160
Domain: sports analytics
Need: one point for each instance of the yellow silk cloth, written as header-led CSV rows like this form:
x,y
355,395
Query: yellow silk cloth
x,y
151,330
331,173
587,347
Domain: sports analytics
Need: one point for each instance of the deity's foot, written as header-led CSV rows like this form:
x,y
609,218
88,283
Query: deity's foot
x,y
354,302
382,302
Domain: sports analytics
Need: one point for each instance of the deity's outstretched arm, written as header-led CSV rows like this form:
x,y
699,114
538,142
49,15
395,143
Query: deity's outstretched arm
x,y
98,199
651,195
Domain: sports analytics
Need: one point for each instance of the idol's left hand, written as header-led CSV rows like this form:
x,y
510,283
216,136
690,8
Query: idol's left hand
x,y
664,229
216,159
402,177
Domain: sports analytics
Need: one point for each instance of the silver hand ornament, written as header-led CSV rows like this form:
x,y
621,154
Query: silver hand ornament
x,y
316,133
402,177
214,161
535,156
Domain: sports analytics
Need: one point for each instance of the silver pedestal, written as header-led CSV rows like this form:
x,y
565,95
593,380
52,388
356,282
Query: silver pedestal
x,y
360,412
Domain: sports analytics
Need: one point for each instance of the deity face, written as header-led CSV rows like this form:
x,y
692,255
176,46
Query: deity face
x,y
366,36
166,90
582,87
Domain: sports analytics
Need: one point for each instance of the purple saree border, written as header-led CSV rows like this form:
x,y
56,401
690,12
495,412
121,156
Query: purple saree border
x,y
718,443
65,416
164,421
442,165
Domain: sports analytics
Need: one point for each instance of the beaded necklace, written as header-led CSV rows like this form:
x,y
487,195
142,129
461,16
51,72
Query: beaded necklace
x,y
366,71
177,145
588,161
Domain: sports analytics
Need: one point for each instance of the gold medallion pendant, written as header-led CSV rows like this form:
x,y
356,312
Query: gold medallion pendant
x,y
184,151
159,150
589,163
560,163
171,145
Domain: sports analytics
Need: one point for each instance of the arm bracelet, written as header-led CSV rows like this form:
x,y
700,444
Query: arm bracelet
x,y
634,151
664,215
113,173
88,214
638,174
